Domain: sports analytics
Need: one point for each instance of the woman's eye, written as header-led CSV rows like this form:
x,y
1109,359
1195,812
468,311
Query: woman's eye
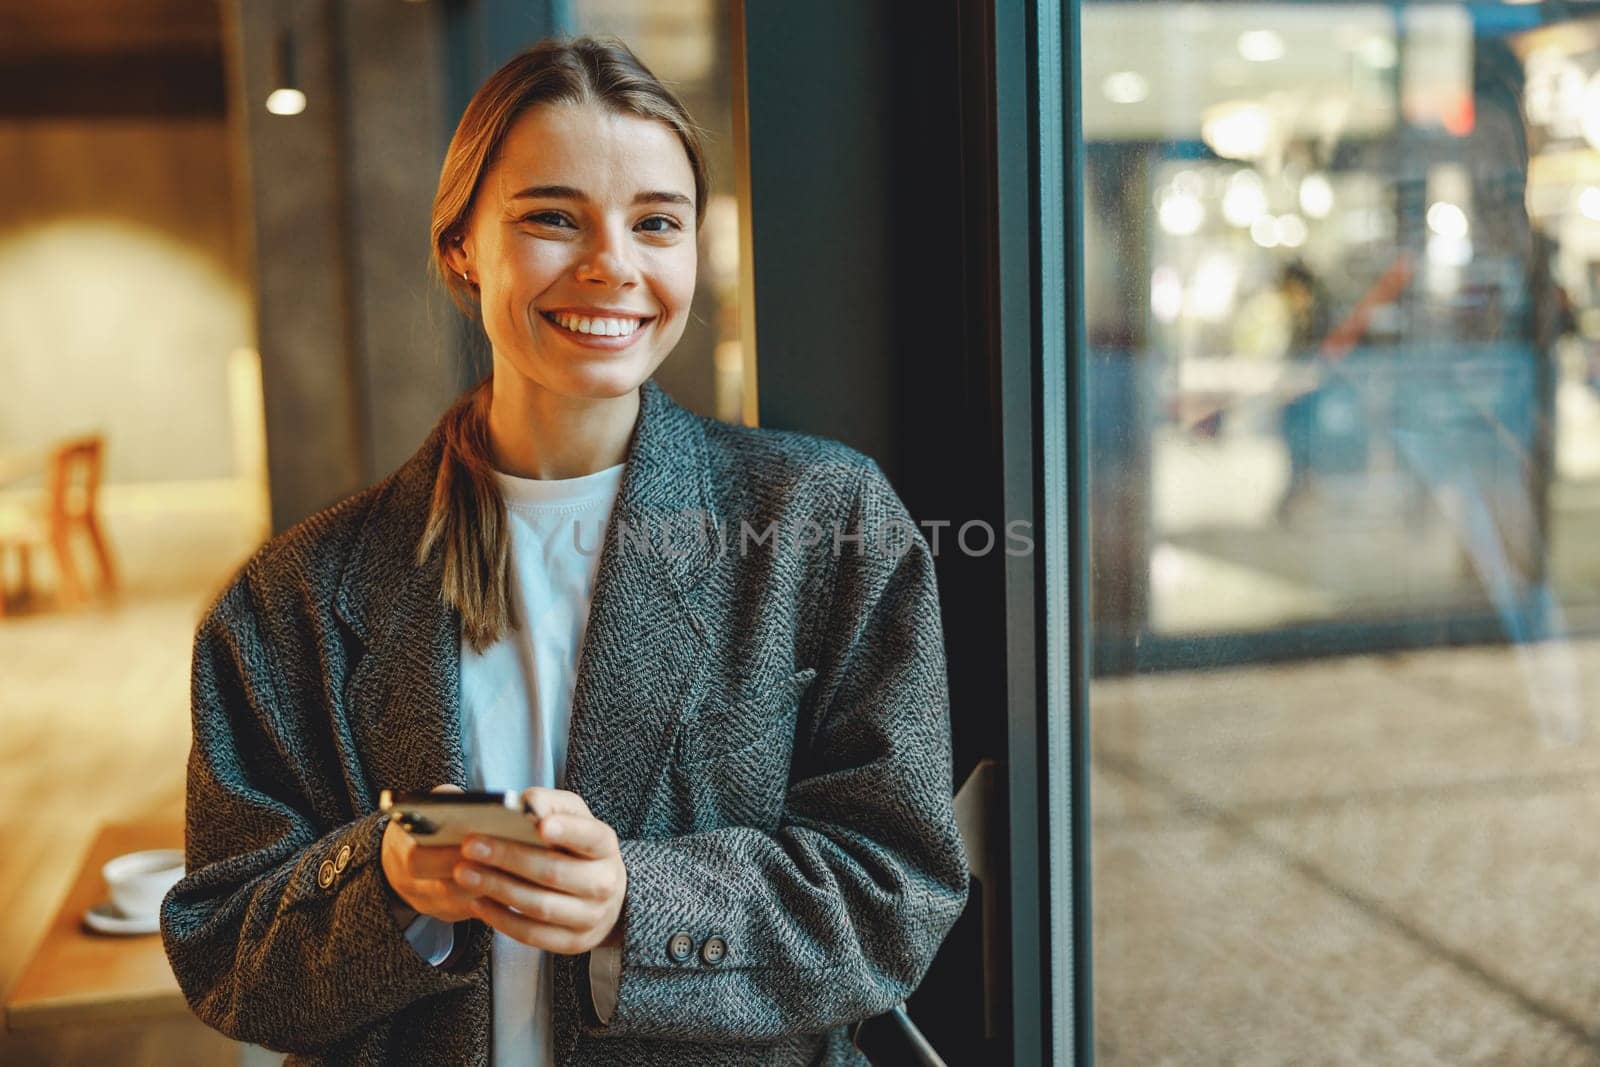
x,y
546,218
659,224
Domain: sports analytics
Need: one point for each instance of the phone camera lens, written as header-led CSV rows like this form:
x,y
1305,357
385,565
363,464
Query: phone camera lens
x,y
417,823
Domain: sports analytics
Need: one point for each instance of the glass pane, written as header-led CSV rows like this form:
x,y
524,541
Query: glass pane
x,y
1343,313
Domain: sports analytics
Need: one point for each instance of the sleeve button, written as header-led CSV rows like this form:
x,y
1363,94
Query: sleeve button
x,y
680,947
342,860
714,950
325,874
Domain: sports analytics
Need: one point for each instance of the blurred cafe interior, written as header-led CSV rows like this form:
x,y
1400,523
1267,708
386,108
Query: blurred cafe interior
x,y
1314,746
1342,311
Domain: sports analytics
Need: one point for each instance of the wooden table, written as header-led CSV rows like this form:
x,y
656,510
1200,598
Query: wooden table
x,y
78,976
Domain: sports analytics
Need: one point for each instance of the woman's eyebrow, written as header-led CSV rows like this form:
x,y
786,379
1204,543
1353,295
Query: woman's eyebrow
x,y
663,198
567,192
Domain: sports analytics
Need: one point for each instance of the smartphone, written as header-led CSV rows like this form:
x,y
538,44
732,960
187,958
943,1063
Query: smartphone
x,y
447,818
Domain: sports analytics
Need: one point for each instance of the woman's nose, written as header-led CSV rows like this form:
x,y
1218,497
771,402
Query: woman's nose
x,y
608,261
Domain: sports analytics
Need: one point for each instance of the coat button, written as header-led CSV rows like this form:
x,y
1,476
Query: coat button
x,y
681,946
325,874
714,950
342,860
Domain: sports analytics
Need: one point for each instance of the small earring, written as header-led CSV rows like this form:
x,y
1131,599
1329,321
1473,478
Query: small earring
x,y
465,278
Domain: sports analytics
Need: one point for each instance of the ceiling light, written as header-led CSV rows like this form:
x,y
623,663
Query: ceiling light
x,y
1237,130
1125,87
1245,200
1211,294
1447,220
1166,294
1261,46
1589,111
1181,214
286,97
1316,195
1292,231
286,101
1589,203
1264,231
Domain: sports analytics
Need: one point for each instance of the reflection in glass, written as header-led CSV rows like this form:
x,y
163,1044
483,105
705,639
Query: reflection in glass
x,y
1343,310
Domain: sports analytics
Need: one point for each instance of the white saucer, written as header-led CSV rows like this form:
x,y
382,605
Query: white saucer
x,y
106,919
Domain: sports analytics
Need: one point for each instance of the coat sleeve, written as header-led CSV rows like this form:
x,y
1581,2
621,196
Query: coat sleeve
x,y
835,915
279,933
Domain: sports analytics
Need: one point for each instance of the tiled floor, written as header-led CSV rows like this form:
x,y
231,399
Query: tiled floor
x,y
1374,860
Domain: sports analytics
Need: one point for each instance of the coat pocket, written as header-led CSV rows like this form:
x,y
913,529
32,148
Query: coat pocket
x,y
714,732
732,765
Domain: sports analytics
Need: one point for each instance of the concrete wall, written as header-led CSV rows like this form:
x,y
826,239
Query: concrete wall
x,y
358,348
122,291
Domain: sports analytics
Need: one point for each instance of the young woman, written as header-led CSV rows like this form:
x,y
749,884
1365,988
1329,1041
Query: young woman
x,y
736,744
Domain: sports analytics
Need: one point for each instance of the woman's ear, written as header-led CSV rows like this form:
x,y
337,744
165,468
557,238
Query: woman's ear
x,y
458,253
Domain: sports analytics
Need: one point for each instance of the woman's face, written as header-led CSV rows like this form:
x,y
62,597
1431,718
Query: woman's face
x,y
581,241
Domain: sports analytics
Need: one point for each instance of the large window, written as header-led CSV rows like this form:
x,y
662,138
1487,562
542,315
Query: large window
x,y
1343,381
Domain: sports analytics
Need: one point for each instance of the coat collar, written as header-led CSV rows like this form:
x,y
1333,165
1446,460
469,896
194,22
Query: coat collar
x,y
665,474
643,651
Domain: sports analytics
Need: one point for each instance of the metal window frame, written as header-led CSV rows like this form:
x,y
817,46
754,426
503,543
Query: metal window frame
x,y
1042,363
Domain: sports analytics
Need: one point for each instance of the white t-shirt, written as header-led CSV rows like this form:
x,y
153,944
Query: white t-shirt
x,y
516,702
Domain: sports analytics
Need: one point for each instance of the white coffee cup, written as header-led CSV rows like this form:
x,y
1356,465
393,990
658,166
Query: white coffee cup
x,y
138,880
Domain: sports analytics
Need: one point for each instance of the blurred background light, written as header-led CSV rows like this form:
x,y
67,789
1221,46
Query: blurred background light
x,y
1261,46
1239,130
286,101
1125,87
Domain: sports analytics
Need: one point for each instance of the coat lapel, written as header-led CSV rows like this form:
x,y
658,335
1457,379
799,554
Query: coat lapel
x,y
403,696
644,650
643,654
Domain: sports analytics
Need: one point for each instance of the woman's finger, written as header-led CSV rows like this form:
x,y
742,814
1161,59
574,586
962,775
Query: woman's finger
x,y
540,905
542,866
542,801
558,939
547,867
581,834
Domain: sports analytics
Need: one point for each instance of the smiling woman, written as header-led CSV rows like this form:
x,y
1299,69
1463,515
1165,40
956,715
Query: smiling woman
x,y
737,764
580,239
565,220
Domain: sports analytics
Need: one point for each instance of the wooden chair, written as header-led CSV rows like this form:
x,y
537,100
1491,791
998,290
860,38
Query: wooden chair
x,y
71,494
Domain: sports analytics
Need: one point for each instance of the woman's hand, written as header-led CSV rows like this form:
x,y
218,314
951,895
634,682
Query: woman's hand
x,y
420,875
567,897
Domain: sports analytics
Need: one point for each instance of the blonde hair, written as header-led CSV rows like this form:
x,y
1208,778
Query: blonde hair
x,y
467,517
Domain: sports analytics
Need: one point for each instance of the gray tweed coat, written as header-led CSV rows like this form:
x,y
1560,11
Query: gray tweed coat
x,y
765,724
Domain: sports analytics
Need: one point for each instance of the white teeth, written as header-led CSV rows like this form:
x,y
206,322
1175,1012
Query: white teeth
x,y
596,326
